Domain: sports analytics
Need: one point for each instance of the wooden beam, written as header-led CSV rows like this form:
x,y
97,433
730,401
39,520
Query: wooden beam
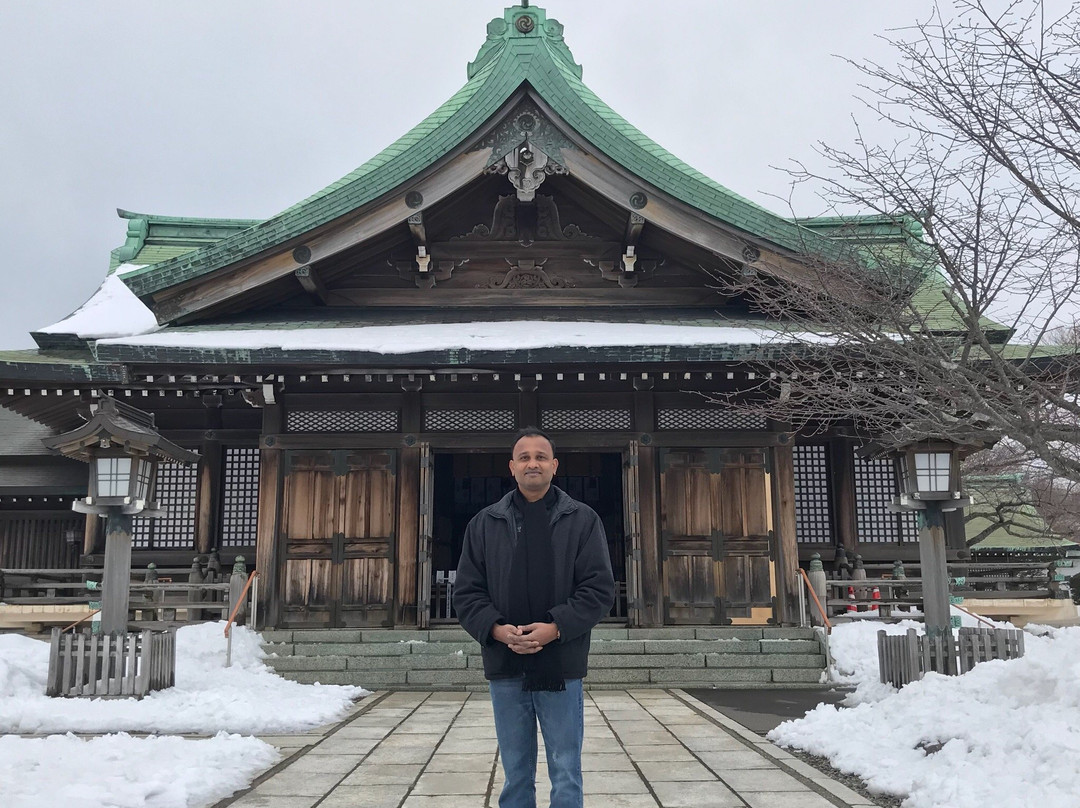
x,y
652,612
787,550
694,226
842,470
635,223
312,283
416,227
645,297
209,487
266,531
515,251
388,211
408,536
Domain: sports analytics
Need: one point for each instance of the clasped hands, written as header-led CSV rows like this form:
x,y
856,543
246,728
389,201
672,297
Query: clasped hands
x,y
526,639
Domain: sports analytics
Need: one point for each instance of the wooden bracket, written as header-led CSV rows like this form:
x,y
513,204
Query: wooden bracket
x,y
312,283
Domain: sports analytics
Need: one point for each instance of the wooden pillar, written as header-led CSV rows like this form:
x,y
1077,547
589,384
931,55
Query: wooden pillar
x,y
93,536
786,547
955,531
652,612
208,490
842,468
266,531
528,402
407,550
652,597
116,577
935,573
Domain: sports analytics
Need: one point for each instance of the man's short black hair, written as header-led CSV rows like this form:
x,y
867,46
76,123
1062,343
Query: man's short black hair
x,y
531,432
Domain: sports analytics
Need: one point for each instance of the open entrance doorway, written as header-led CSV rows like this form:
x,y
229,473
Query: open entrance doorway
x,y
463,484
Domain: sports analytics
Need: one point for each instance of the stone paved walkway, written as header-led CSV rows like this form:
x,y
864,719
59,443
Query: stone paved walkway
x,y
643,749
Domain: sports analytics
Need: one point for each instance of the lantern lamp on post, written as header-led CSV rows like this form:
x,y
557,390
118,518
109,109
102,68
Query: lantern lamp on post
x,y
929,477
929,472
123,448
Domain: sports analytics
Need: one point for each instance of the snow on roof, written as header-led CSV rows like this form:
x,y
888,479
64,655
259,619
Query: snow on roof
x,y
112,311
490,336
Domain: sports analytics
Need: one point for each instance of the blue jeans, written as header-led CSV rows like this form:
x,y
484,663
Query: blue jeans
x,y
562,720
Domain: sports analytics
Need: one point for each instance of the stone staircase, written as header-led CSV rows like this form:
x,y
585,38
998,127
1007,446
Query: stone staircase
x,y
448,659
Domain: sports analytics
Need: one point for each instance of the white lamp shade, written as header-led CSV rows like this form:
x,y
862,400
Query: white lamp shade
x,y
113,476
933,471
144,477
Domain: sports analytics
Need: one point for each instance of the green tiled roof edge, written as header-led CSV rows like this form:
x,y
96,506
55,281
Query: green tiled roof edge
x,y
135,249
546,64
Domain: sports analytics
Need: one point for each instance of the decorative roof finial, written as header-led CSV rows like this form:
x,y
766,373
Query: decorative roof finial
x,y
524,3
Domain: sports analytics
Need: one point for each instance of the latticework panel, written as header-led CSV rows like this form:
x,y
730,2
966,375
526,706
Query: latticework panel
x,y
176,484
875,489
813,518
579,420
342,421
708,418
470,420
240,499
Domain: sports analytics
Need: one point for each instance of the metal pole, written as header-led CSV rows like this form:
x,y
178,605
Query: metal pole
x,y
117,573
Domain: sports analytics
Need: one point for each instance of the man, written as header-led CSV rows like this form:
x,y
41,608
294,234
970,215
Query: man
x,y
533,580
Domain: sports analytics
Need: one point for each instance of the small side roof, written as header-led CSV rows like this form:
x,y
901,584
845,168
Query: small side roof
x,y
152,239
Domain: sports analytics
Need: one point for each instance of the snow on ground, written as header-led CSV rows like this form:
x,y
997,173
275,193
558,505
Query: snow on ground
x,y
1005,734
126,772
478,336
247,698
158,772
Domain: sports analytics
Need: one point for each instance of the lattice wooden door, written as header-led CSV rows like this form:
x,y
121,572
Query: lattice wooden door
x,y
337,531
715,532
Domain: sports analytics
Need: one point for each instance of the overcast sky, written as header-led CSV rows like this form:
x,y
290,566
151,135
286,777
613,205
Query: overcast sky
x,y
239,109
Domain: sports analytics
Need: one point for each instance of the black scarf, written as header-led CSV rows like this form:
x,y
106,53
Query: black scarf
x,y
532,591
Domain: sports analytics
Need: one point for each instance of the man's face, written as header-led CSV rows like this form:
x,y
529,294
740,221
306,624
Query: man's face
x,y
533,465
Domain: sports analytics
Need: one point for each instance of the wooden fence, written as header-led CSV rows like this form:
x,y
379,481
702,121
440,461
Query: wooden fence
x,y
121,665
904,658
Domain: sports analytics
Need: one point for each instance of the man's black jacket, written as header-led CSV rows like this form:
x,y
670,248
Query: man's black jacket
x,y
584,586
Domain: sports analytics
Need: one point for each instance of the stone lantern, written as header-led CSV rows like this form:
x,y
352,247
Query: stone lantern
x,y
123,448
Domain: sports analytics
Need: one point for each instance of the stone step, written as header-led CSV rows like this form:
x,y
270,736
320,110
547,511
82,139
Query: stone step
x,y
457,634
447,658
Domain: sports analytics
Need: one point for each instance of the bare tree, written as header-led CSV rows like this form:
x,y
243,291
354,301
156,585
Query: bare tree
x,y
973,242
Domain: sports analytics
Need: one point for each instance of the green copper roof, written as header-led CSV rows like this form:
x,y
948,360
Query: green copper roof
x,y
516,52
152,239
1002,517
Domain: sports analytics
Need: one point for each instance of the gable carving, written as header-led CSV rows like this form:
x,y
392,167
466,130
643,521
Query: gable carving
x,y
526,124
527,275
526,223
526,167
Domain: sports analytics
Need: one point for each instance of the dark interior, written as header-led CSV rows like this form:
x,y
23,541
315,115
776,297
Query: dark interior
x,y
466,483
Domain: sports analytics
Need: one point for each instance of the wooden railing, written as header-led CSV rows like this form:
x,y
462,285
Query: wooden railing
x,y
894,595
158,598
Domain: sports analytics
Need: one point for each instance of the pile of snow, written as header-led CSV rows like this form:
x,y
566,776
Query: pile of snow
x,y
247,698
1005,734
126,772
112,311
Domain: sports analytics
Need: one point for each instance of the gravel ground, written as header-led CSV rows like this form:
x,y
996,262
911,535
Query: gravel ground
x,y
852,781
